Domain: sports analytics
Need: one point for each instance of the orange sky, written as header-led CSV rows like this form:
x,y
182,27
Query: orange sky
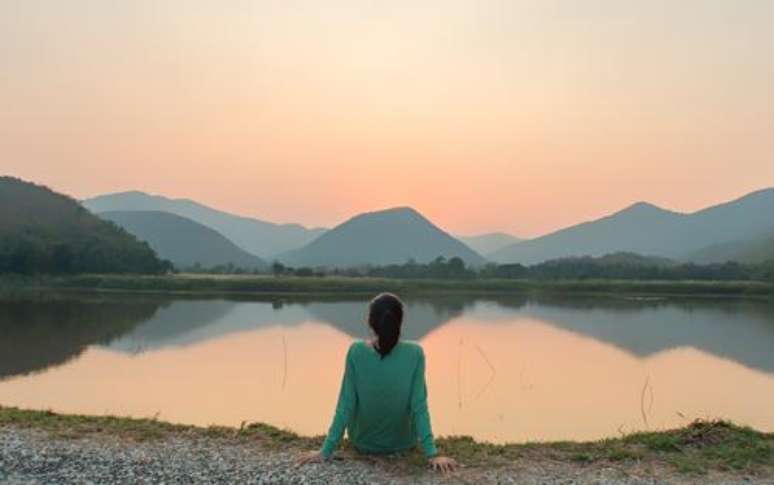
x,y
512,115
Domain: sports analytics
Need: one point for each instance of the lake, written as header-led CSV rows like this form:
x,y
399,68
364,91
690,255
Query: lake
x,y
502,369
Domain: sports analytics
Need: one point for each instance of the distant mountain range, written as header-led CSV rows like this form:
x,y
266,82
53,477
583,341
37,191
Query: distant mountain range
x,y
486,244
261,238
391,236
182,241
649,230
740,230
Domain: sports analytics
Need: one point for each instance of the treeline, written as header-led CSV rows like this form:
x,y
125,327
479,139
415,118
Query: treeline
x,y
440,269
619,266
588,268
29,255
228,268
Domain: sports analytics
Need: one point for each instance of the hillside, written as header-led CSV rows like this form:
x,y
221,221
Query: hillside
x,y
264,239
754,250
486,244
42,231
378,238
183,241
618,259
646,229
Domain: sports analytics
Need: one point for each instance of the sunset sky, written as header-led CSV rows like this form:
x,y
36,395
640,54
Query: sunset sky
x,y
518,116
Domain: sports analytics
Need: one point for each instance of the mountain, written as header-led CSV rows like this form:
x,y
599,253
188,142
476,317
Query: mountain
x,y
754,250
488,243
390,236
646,229
42,231
183,241
264,239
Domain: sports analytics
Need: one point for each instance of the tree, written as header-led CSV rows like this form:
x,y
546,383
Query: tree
x,y
278,268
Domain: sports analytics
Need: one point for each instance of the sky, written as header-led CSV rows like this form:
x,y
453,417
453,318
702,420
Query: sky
x,y
517,116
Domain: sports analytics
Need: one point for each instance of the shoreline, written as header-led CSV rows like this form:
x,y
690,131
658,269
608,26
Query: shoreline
x,y
702,449
249,285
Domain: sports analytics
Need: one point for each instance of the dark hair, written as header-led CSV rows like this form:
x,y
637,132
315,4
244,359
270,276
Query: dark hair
x,y
385,316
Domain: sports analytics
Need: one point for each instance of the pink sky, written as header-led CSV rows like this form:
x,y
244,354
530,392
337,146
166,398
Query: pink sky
x,y
486,116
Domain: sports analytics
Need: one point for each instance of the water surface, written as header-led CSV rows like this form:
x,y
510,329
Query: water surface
x,y
499,369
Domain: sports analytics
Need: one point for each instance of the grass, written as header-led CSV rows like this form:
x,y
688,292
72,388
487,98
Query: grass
x,y
142,429
249,284
698,448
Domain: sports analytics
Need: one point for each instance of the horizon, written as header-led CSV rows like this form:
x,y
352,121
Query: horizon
x,y
408,207
517,117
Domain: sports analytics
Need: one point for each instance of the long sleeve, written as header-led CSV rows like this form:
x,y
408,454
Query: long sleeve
x,y
344,408
419,411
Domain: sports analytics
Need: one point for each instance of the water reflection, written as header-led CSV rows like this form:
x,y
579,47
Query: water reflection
x,y
182,323
501,368
739,330
38,335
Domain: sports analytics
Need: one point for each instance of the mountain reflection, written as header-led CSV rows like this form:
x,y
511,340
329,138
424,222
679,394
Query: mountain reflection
x,y
35,335
739,330
184,322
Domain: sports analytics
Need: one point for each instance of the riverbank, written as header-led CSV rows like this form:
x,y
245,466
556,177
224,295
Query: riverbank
x,y
335,285
48,447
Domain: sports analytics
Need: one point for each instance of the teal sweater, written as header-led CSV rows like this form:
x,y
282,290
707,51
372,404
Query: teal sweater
x,y
383,402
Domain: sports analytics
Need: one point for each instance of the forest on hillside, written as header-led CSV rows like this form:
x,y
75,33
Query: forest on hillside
x,y
42,231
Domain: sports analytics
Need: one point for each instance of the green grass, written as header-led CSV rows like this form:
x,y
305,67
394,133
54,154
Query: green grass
x,y
141,429
698,448
218,284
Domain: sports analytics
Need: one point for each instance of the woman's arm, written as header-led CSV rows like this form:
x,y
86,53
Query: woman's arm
x,y
344,409
419,410
421,417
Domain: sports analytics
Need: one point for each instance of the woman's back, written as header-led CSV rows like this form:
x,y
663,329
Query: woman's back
x,y
383,401
383,420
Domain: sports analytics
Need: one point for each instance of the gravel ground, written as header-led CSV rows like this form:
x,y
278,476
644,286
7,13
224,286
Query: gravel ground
x,y
36,457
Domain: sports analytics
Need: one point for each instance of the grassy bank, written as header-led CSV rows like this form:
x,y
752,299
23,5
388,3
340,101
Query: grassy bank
x,y
697,448
216,284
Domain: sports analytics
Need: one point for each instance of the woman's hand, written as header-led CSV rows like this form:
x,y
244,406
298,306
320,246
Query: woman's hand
x,y
443,464
310,457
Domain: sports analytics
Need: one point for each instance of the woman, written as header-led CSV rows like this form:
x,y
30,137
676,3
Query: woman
x,y
383,398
